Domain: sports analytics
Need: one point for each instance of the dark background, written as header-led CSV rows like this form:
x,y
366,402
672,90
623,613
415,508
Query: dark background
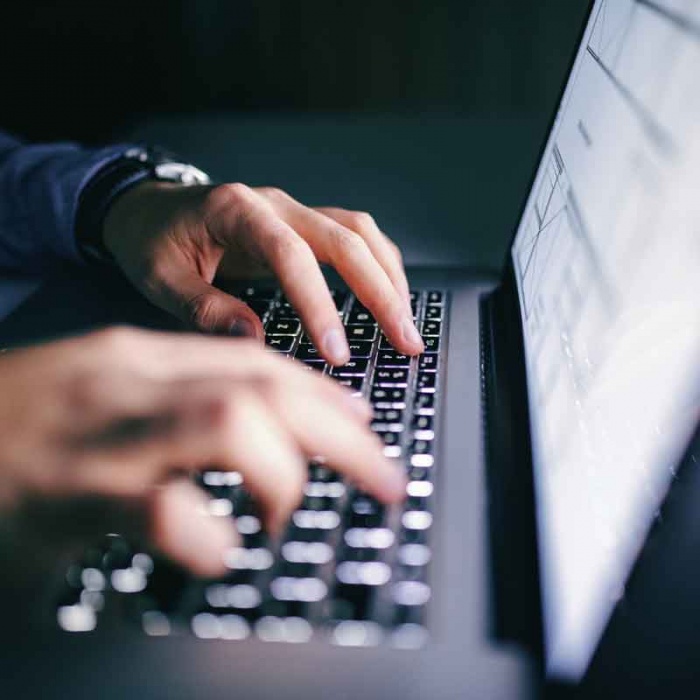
x,y
87,70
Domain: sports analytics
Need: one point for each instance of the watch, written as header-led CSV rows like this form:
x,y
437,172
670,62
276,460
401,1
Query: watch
x,y
136,165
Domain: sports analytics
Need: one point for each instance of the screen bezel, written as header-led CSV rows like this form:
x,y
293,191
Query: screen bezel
x,y
508,286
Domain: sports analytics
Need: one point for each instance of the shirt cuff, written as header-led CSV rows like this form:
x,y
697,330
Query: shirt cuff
x,y
47,181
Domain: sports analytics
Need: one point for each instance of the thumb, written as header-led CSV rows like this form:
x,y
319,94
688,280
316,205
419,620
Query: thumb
x,y
211,310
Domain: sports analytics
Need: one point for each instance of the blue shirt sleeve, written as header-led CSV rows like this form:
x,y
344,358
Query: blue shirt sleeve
x,y
40,185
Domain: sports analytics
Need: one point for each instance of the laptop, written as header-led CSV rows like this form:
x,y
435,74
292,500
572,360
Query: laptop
x,y
547,541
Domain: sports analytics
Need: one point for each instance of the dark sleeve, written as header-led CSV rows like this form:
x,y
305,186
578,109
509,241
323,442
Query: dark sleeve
x,y
40,185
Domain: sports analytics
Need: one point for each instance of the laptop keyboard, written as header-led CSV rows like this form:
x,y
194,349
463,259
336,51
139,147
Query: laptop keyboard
x,y
347,567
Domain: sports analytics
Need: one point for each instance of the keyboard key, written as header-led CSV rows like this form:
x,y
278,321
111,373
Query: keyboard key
x,y
391,358
329,489
373,537
284,310
435,298
414,555
422,460
411,593
318,365
422,423
318,472
307,352
365,505
355,332
307,589
432,343
354,383
318,553
354,367
417,473
359,348
381,427
431,328
416,520
424,404
428,362
363,573
392,451
281,343
390,438
391,377
388,398
388,415
421,447
317,503
362,317
316,519
426,382
283,327
384,344
433,313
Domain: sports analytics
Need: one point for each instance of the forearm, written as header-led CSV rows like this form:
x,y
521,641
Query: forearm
x,y
40,186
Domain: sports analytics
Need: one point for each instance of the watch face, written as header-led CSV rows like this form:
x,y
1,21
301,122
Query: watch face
x,y
181,172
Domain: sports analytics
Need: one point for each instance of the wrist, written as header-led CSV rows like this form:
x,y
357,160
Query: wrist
x,y
130,211
133,171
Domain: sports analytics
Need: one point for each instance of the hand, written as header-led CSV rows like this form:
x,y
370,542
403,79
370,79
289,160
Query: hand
x,y
172,241
123,414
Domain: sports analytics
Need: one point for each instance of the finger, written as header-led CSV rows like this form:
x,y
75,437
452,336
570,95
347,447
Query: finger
x,y
350,255
296,268
153,360
387,254
221,423
348,447
206,308
182,528
246,437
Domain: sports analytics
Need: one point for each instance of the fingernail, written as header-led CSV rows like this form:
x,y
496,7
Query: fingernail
x,y
242,328
335,347
411,334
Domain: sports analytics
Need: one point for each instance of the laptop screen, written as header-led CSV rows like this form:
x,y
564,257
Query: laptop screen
x,y
607,260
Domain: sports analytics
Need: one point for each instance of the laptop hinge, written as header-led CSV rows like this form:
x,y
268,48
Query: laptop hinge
x,y
516,601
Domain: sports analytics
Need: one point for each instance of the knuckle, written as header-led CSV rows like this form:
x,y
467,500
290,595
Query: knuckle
x,y
116,339
273,193
84,391
226,195
346,243
202,311
362,220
